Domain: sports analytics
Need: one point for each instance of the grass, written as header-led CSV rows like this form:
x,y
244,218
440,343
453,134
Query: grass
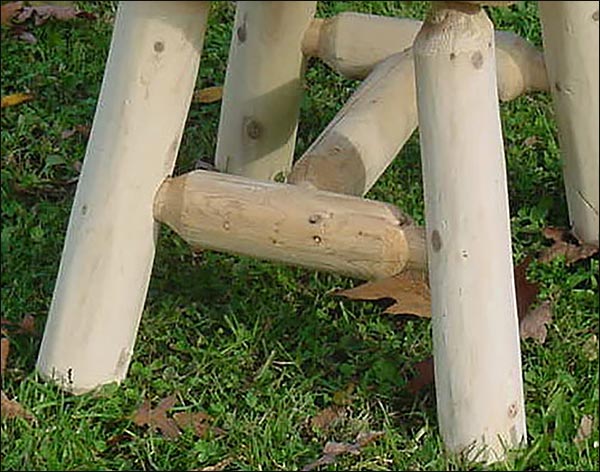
x,y
259,346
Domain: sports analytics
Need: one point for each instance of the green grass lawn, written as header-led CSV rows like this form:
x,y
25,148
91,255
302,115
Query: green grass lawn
x,y
262,347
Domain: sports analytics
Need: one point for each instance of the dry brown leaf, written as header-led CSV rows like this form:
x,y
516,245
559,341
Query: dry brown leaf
x,y
218,466
8,11
24,35
562,247
15,99
157,418
408,289
585,429
533,325
198,422
327,417
208,95
531,141
11,409
83,130
334,449
27,324
424,375
4,350
526,291
367,438
42,13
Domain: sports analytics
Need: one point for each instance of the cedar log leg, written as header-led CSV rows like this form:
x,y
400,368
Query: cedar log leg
x,y
474,319
109,248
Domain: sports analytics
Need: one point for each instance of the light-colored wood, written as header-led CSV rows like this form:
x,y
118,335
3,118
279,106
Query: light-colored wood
x,y
570,33
109,248
263,89
368,132
267,220
333,40
354,43
474,318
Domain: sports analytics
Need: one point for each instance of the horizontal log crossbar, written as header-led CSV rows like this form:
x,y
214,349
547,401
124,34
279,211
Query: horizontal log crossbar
x,y
320,230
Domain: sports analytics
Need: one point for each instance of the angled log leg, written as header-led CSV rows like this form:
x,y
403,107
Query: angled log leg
x,y
263,89
570,32
109,248
474,320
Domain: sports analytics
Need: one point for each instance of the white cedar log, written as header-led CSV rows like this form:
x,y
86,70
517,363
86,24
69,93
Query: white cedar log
x,y
352,236
263,89
110,242
570,33
370,130
474,318
354,43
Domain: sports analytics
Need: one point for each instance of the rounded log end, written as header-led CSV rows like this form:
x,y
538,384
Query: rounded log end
x,y
454,28
169,200
312,38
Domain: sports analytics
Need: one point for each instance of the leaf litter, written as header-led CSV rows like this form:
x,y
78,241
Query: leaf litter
x,y
333,450
9,409
171,428
409,291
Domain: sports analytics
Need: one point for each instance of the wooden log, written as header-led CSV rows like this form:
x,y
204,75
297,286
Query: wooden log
x,y
370,130
474,317
521,66
263,89
109,248
570,34
359,238
334,41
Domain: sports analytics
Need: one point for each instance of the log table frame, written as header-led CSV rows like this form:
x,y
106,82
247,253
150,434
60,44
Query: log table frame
x,y
446,74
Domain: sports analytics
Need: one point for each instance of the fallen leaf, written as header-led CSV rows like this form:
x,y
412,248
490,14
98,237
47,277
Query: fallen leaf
x,y
42,13
327,417
8,11
4,350
157,418
83,130
334,449
408,289
367,438
526,291
196,421
208,95
24,34
533,324
585,429
15,99
11,409
424,375
27,324
218,466
118,439
562,247
531,141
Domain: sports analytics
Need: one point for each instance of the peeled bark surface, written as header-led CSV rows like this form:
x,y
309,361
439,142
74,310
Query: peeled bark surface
x,y
478,376
363,138
352,236
263,89
109,247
